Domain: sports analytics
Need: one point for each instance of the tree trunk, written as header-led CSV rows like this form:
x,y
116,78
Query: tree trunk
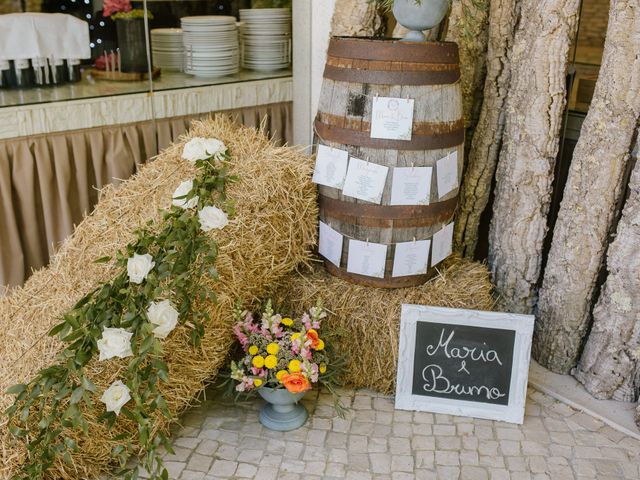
x,y
467,26
610,363
591,196
530,145
487,136
638,415
356,18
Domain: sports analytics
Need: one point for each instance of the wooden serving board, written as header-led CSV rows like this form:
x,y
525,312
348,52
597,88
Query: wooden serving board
x,y
122,76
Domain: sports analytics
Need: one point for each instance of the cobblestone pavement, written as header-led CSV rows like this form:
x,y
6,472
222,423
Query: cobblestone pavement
x,y
221,439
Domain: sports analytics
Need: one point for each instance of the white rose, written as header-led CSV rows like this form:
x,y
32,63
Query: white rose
x,y
115,397
212,217
115,342
139,266
178,196
199,148
164,316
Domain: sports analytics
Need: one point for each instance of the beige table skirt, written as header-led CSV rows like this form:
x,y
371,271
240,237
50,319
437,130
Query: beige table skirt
x,y
49,182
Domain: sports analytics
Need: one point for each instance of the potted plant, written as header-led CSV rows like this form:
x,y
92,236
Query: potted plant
x,y
417,15
283,358
130,29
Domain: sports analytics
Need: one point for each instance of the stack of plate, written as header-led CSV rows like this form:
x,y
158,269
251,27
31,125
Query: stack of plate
x,y
166,48
265,36
210,45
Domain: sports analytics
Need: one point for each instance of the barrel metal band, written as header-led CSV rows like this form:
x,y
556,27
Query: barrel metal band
x,y
393,50
346,136
391,216
378,77
432,129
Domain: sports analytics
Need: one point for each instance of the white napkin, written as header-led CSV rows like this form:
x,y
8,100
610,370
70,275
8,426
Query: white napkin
x,y
36,35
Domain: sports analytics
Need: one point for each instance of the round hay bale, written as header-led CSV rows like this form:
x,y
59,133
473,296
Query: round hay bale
x,y
366,321
273,231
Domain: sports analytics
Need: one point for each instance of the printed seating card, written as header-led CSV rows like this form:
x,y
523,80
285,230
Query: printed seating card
x,y
392,118
442,244
411,258
365,180
330,244
447,173
366,258
411,186
331,166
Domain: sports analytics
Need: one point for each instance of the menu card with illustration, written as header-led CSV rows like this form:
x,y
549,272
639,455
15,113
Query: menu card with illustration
x,y
447,173
365,180
411,186
411,258
442,244
330,244
331,166
367,258
392,118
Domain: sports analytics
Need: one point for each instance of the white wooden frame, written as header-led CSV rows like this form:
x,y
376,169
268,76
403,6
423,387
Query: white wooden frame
x,y
521,324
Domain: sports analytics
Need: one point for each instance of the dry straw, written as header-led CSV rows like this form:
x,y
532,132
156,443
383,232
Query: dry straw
x,y
273,232
366,321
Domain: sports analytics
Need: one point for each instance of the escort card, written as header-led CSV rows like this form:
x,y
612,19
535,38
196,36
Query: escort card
x,y
442,244
411,186
411,258
447,173
365,180
366,258
392,118
330,244
331,166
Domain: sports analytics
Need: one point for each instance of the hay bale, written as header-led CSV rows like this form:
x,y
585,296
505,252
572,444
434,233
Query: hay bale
x,y
273,231
366,321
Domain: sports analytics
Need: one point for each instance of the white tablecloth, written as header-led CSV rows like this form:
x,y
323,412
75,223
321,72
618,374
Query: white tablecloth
x,y
43,35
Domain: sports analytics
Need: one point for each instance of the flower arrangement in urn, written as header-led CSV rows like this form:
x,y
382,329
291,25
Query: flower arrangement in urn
x,y
130,28
283,358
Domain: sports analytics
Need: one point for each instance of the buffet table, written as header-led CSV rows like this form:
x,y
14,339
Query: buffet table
x,y
59,146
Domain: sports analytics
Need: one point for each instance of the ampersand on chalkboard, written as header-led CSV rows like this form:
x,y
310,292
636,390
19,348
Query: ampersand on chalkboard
x,y
463,367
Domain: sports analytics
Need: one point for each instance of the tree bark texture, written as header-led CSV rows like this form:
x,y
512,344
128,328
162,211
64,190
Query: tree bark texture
x,y
356,18
468,27
524,173
592,192
487,135
610,364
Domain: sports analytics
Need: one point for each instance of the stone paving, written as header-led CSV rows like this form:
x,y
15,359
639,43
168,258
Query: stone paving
x,y
221,439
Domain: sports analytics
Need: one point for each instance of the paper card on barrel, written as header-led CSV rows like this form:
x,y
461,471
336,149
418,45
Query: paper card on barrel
x,y
411,258
365,180
392,118
367,258
442,244
411,186
331,166
447,173
330,244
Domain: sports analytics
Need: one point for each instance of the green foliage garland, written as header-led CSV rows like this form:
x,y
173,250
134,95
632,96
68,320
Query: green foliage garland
x,y
49,406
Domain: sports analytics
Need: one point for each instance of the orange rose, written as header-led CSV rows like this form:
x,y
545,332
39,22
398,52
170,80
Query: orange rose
x,y
295,382
313,336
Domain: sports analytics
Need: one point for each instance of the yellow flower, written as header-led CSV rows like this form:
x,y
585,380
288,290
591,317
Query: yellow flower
x,y
258,361
294,366
294,336
320,345
257,382
253,350
270,362
287,321
323,368
273,348
280,374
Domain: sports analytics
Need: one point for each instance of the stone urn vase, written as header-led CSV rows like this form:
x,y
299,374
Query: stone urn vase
x,y
282,412
419,16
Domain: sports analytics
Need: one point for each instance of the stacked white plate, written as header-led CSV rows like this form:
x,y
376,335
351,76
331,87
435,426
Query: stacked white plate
x,y
265,38
210,45
167,49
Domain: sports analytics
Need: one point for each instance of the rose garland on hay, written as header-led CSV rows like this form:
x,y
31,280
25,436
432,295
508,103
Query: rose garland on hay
x,y
157,288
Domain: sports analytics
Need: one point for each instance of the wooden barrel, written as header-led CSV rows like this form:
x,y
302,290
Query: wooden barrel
x,y
357,70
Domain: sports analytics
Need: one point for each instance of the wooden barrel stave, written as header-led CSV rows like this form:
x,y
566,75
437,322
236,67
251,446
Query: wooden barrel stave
x,y
343,121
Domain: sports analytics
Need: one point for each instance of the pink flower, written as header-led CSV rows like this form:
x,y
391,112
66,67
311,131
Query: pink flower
x,y
242,338
245,385
314,373
306,321
305,353
114,6
261,372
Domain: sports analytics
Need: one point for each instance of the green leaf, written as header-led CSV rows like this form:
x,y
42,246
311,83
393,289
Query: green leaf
x,y
88,384
103,260
57,329
76,396
16,389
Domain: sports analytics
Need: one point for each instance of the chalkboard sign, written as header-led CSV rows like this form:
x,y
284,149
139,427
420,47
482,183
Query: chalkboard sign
x,y
464,362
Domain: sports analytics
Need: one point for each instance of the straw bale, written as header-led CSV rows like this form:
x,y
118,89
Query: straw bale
x,y
273,232
366,321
